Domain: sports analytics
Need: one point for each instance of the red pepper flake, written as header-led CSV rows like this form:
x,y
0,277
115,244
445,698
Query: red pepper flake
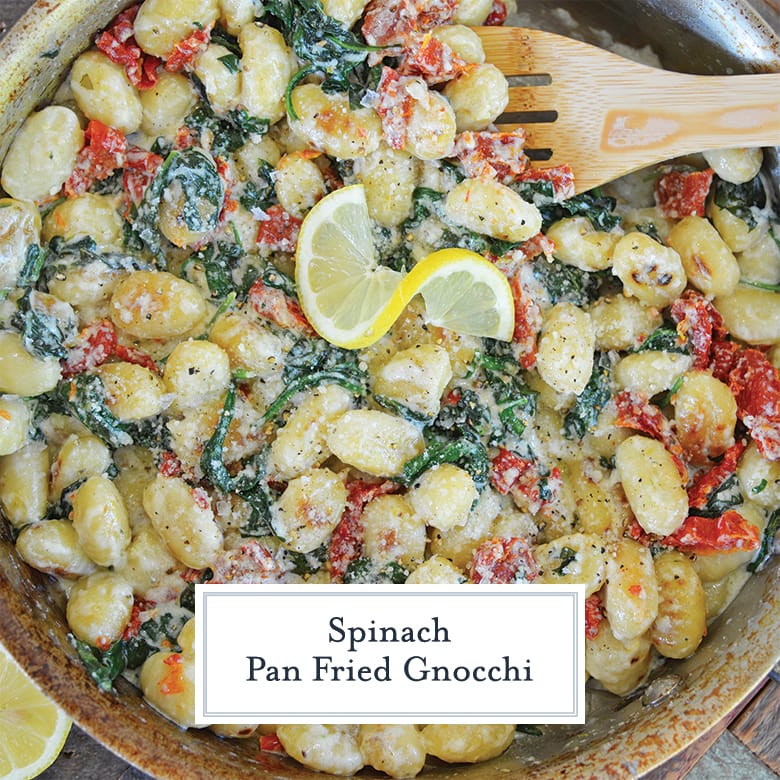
x,y
497,15
118,44
528,323
187,50
504,560
635,589
755,384
173,681
103,153
594,614
278,230
683,193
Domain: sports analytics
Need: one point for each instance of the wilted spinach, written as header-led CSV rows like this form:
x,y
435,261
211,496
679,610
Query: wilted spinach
x,y
583,414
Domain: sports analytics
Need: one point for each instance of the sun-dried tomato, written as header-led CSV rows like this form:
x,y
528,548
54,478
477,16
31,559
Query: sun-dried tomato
x,y
683,193
118,44
185,51
170,465
528,323
346,541
497,15
594,614
503,560
140,169
96,344
702,535
394,107
134,624
390,22
275,306
103,153
435,61
755,384
722,357
560,176
278,230
136,356
709,481
635,411
270,743
532,490
494,155
699,323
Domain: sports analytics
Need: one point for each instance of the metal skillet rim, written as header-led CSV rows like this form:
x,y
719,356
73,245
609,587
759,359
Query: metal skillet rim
x,y
637,741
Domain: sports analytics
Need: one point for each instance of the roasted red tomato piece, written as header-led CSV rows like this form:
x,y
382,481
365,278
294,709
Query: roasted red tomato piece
x,y
702,535
494,155
103,153
755,383
594,614
275,306
683,193
503,560
97,343
279,229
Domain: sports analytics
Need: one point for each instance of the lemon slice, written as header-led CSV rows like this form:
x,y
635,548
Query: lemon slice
x,y
352,301
32,728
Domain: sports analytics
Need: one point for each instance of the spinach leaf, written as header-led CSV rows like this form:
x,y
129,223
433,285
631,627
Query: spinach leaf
x,y
365,571
202,188
34,260
741,199
308,563
228,132
567,283
464,415
566,557
273,277
760,285
259,194
767,542
322,43
664,339
468,454
221,36
155,634
231,62
726,496
247,484
587,406
598,208
515,400
104,666
218,259
187,596
84,397
43,333
313,362
425,203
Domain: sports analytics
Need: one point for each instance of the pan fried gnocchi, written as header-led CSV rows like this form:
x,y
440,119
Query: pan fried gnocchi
x,y
168,416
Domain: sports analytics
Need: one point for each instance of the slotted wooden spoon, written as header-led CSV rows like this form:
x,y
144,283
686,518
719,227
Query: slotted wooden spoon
x,y
607,116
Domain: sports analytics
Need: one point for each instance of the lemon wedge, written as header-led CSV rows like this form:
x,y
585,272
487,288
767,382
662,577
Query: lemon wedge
x,y
32,728
352,301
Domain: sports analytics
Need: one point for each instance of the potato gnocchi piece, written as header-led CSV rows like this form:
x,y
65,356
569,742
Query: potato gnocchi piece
x,y
375,442
309,509
620,666
682,610
467,743
577,559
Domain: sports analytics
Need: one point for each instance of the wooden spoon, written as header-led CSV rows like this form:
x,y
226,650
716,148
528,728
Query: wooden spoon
x,y
606,116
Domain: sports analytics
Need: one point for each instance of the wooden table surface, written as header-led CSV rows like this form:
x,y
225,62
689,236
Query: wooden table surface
x,y
743,746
